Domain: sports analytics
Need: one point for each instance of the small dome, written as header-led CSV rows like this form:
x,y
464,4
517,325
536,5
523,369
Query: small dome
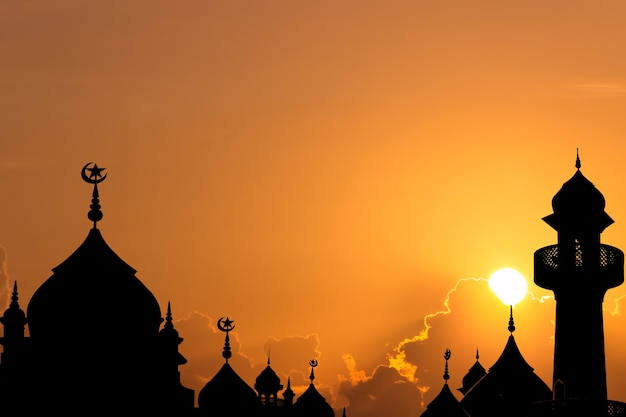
x,y
267,382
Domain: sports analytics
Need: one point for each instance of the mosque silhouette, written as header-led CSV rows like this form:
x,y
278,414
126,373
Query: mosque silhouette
x,y
98,345
579,270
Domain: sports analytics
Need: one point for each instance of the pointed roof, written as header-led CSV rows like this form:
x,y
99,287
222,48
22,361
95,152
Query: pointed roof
x,y
227,391
311,403
473,375
445,403
509,387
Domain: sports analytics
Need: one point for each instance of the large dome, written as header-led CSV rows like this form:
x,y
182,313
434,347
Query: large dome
x,y
95,292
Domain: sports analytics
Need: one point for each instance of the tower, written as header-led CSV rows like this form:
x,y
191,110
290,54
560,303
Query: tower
x,y
579,270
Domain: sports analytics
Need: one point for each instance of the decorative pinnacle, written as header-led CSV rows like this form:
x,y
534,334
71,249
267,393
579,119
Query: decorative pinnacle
x,y
511,322
313,363
95,176
168,318
446,356
14,296
226,325
577,160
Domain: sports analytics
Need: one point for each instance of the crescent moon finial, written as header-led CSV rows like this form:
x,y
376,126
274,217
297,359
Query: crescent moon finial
x,y
226,325
313,363
95,177
95,174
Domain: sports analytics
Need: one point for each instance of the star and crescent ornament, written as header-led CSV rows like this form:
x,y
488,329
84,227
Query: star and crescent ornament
x,y
95,174
94,177
225,324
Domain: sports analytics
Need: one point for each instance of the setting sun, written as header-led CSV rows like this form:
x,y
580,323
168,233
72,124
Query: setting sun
x,y
509,285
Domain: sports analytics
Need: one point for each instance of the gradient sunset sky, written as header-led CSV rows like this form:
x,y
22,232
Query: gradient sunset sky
x,y
337,177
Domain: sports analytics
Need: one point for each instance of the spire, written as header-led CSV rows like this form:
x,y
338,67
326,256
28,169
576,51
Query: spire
x,y
511,327
226,325
477,357
168,317
14,297
446,356
95,176
577,160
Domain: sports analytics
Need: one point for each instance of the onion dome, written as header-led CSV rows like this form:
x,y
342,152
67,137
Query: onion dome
x,y
445,403
475,374
578,202
92,290
227,394
509,388
311,403
268,383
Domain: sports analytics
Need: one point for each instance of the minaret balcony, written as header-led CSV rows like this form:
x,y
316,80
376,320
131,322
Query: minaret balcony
x,y
607,271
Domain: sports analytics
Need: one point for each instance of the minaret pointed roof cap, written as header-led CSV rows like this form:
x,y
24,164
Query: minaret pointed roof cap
x,y
578,204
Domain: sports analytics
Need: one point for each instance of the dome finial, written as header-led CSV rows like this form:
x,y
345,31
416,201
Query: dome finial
x,y
577,160
95,176
313,363
446,356
226,325
511,322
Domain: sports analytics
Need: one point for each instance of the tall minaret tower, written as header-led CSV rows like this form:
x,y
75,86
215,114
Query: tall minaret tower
x,y
579,269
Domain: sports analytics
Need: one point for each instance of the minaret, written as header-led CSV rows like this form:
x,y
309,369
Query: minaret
x,y
579,270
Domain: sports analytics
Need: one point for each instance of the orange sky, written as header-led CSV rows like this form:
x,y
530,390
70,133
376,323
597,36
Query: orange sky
x,y
322,172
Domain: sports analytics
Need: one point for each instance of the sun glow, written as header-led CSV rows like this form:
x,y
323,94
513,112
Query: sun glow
x,y
509,285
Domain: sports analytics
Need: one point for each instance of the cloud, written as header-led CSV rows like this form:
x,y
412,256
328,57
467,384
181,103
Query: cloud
x,y
203,346
375,395
398,360
602,89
